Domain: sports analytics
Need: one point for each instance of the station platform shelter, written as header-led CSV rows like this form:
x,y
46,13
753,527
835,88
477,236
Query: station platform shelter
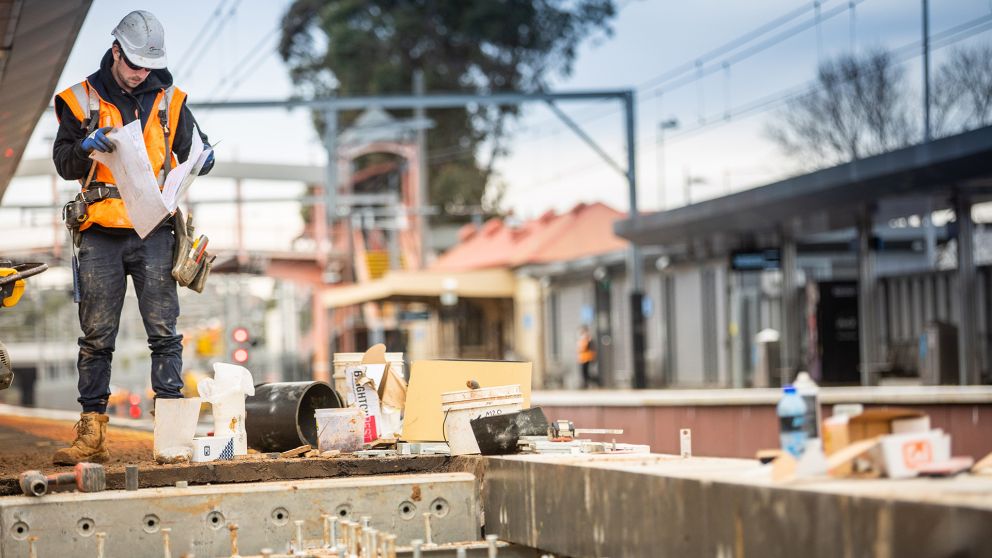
x,y
871,272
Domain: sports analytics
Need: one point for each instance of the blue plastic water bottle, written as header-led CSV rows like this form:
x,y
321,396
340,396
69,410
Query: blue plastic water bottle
x,y
791,419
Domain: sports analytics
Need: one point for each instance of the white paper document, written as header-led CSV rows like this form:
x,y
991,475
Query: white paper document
x,y
147,206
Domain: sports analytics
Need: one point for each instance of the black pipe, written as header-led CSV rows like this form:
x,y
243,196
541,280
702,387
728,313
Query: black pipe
x,y
279,416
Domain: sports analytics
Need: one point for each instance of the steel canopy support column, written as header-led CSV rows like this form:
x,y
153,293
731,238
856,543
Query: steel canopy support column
x,y
331,172
968,326
321,364
635,261
790,309
866,299
242,254
423,186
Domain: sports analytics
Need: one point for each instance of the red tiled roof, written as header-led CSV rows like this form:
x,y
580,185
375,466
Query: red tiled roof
x,y
586,230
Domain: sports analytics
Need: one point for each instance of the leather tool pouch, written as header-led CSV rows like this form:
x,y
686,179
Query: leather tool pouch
x,y
185,269
76,211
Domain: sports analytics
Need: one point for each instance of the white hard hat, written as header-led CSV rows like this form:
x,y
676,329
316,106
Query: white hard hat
x,y
142,38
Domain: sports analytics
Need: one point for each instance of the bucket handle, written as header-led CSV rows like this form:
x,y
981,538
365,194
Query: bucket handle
x,y
444,434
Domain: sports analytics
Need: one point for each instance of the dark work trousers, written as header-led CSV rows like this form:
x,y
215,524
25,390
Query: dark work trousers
x,y
105,260
587,378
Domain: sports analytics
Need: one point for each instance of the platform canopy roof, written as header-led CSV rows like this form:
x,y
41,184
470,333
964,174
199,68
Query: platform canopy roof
x,y
36,37
423,286
896,184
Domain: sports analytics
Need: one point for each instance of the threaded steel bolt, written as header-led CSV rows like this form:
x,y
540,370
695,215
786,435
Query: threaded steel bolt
x,y
233,528
491,544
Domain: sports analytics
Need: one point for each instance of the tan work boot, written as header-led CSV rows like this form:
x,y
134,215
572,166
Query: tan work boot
x,y
90,444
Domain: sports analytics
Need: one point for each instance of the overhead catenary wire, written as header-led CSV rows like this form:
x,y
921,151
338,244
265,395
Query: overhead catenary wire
x,y
725,48
213,19
706,70
244,67
685,74
211,37
902,54
456,152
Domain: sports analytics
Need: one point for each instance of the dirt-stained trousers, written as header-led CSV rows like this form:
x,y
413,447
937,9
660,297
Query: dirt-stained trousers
x,y
105,261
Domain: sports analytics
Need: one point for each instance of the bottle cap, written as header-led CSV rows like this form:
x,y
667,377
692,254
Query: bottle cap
x,y
789,390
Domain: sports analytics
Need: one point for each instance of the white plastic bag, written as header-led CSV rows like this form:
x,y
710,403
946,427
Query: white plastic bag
x,y
226,393
362,394
174,428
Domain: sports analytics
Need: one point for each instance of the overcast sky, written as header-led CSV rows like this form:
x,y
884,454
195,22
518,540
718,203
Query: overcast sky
x,y
548,166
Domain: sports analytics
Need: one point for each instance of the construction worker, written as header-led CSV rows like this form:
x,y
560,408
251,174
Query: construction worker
x,y
586,355
132,83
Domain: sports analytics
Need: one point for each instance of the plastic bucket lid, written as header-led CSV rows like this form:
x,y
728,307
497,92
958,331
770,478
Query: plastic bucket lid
x,y
481,404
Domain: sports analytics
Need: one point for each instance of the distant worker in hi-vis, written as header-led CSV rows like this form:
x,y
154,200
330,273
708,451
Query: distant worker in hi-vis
x,y
132,83
587,355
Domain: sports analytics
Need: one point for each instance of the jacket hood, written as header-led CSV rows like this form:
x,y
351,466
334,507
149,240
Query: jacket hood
x,y
104,80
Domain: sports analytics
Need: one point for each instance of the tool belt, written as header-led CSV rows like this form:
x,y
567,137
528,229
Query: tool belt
x,y
98,191
76,211
190,267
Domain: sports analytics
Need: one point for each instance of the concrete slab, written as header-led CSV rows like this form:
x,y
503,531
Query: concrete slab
x,y
665,506
264,513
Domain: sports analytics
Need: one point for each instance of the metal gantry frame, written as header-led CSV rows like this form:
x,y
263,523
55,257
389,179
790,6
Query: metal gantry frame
x,y
331,106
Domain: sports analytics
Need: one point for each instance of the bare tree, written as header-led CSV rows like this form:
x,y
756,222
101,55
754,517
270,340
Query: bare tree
x,y
857,108
962,91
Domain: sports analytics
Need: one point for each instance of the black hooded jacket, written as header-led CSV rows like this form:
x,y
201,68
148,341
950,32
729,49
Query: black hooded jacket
x,y
72,162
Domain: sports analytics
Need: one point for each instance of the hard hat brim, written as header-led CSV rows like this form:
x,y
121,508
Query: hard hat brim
x,y
145,62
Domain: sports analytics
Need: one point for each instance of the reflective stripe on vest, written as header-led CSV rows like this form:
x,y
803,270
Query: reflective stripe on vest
x,y
111,212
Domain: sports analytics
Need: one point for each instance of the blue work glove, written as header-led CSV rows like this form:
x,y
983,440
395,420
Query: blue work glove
x,y
208,164
98,141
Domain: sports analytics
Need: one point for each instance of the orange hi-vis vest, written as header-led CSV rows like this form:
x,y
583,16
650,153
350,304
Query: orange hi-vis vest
x,y
585,350
86,105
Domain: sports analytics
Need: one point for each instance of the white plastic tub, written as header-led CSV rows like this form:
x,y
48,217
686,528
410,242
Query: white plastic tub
x,y
460,407
340,429
211,448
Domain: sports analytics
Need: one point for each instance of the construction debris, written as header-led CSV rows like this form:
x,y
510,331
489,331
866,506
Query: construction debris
x,y
85,477
423,448
296,452
541,444
376,453
499,434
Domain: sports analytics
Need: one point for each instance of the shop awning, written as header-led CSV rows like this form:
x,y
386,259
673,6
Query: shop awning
x,y
424,285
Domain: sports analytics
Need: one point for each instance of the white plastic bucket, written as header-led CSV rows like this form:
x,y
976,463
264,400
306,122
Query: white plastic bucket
x,y
460,407
340,429
226,394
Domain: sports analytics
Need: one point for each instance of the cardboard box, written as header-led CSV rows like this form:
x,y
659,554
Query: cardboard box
x,y
843,430
895,440
378,355
900,455
423,420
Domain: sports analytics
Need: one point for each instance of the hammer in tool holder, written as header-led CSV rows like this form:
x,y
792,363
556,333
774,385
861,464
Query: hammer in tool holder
x,y
85,477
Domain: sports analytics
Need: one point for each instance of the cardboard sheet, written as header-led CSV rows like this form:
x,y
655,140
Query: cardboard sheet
x,y
423,419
